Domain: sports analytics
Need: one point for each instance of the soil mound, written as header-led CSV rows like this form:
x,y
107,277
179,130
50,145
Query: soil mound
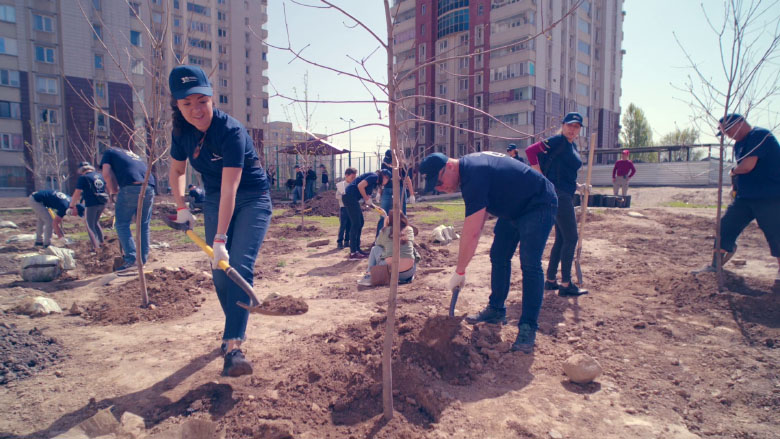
x,y
323,204
299,231
173,294
433,256
286,305
25,352
103,261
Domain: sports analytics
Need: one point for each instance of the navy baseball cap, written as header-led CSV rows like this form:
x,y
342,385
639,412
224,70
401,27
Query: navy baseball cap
x,y
511,147
430,167
573,117
188,80
729,121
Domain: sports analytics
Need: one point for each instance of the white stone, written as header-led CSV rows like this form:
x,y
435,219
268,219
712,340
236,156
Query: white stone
x,y
581,368
133,423
8,225
21,238
66,256
38,306
635,215
555,434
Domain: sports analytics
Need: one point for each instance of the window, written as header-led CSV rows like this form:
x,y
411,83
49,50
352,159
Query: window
x,y
463,84
200,26
421,52
138,67
176,4
100,90
135,9
248,101
221,16
44,54
13,176
101,123
223,82
583,68
7,13
454,21
198,9
10,142
98,61
422,10
583,89
10,110
478,124
222,49
478,79
222,65
203,44
442,46
135,38
46,85
583,47
176,21
221,32
223,99
177,39
157,17
49,115
248,117
442,89
583,26
43,23
507,24
442,109
478,101
96,4
9,78
8,47
97,32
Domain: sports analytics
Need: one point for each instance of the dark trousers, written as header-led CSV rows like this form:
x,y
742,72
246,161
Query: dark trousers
x,y
355,222
565,239
92,218
530,231
741,212
343,226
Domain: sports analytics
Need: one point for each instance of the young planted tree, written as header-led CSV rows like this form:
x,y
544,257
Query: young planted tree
x,y
396,113
45,157
745,79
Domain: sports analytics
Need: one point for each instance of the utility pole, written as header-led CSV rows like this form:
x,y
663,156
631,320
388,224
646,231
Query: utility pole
x,y
349,124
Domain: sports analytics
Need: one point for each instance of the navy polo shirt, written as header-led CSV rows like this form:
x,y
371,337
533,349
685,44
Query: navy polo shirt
x,y
372,181
128,166
507,188
53,200
764,180
92,184
299,178
560,162
226,145
401,174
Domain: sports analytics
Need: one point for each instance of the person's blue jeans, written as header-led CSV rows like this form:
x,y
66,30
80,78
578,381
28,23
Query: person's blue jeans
x,y
126,206
530,231
297,194
343,226
355,221
742,212
386,203
251,218
565,239
309,189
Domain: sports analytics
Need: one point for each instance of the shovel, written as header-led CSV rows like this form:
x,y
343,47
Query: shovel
x,y
454,300
255,305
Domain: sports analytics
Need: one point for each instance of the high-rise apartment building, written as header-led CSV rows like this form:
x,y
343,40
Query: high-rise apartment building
x,y
52,62
505,57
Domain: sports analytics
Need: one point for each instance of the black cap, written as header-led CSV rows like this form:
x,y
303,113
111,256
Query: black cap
x,y
511,147
188,80
729,121
573,117
430,167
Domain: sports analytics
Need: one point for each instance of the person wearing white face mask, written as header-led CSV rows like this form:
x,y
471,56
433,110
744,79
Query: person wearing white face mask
x,y
237,196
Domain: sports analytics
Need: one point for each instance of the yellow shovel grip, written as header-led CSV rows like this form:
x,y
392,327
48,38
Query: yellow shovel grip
x,y
223,264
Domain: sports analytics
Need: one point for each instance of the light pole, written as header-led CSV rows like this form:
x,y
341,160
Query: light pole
x,y
349,124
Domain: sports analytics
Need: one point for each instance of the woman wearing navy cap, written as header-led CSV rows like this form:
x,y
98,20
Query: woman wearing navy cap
x,y
361,187
558,159
237,196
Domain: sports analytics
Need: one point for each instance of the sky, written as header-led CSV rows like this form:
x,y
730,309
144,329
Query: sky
x,y
654,67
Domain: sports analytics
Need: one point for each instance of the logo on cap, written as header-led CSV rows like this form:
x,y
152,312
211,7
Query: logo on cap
x,y
186,79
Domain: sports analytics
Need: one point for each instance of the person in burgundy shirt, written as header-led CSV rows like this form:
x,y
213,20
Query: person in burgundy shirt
x,y
622,172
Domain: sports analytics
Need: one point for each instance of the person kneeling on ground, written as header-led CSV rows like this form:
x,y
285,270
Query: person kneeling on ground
x,y
41,202
196,197
381,256
525,204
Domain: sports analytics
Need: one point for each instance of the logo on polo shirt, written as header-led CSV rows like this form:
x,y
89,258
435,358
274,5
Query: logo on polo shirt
x,y
98,184
60,195
186,79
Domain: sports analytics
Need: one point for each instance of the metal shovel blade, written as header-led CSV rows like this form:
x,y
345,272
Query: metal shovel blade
x,y
454,300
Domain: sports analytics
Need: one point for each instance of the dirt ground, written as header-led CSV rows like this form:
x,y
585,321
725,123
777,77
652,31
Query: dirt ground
x,y
680,359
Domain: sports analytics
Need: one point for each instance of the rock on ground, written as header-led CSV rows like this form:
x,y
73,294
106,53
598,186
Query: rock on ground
x,y
582,368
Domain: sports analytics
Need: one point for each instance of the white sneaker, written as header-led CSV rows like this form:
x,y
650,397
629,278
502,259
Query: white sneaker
x,y
365,281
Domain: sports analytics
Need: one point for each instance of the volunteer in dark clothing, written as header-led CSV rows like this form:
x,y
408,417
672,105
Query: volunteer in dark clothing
x,y
41,202
361,187
237,209
323,178
512,151
311,180
757,177
386,202
558,159
92,189
298,189
197,197
525,204
124,173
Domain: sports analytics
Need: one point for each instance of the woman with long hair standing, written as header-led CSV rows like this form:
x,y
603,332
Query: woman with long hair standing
x,y
558,159
237,208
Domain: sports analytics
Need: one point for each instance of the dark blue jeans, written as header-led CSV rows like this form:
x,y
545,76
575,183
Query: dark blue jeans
x,y
740,213
125,209
297,194
309,189
251,218
565,239
343,226
386,204
355,221
530,231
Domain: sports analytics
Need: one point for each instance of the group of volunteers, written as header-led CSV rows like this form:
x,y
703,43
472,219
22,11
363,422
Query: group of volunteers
x,y
527,199
297,184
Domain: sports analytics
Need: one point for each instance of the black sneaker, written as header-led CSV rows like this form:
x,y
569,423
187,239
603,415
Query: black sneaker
x,y
38,244
125,268
356,256
236,364
571,290
363,252
551,285
339,245
526,338
488,315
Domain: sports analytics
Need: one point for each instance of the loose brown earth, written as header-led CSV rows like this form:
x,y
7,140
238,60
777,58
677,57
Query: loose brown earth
x,y
680,359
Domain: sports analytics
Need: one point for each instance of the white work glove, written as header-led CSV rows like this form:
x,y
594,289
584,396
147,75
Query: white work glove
x,y
412,200
184,215
457,280
378,197
581,187
220,254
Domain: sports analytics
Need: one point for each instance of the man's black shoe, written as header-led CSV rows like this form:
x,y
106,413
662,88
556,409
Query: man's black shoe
x,y
236,364
339,245
526,337
488,315
363,252
571,290
551,285
38,244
